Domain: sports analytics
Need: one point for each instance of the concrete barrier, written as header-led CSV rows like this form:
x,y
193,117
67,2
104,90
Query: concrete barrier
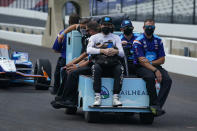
x,y
181,65
21,37
23,13
22,28
178,47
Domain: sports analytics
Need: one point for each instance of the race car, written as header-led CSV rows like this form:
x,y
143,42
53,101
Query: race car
x,y
16,67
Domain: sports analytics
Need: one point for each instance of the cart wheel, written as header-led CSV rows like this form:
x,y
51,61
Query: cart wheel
x,y
42,83
146,118
71,110
4,83
92,117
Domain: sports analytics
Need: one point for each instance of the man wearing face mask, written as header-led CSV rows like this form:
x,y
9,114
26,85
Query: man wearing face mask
x,y
59,46
150,56
105,49
127,39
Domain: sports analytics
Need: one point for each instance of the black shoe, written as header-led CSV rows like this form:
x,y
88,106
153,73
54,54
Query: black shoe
x,y
160,113
156,110
55,105
53,90
58,98
67,103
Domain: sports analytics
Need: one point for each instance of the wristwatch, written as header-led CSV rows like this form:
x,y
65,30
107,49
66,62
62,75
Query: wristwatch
x,y
77,65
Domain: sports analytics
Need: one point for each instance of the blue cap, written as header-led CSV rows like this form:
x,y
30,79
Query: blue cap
x,y
126,23
106,19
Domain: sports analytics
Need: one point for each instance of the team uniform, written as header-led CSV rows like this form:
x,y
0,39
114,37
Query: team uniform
x,y
59,47
129,52
152,49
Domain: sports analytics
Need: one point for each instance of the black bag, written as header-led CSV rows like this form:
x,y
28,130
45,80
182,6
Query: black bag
x,y
102,59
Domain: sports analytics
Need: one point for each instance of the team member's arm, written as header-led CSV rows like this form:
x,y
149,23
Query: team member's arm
x,y
159,61
78,59
90,47
57,46
67,30
76,66
144,62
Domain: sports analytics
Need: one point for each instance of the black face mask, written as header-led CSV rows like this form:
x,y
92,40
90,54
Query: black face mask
x,y
87,35
128,31
82,31
105,30
149,32
111,30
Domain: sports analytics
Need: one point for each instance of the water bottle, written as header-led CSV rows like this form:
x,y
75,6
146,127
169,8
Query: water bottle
x,y
157,86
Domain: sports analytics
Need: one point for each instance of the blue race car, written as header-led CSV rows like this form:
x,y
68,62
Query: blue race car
x,y
16,67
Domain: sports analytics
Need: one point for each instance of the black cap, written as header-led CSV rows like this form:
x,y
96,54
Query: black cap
x,y
106,19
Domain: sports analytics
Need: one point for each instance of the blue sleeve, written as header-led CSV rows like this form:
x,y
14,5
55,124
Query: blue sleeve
x,y
57,46
121,36
138,48
161,52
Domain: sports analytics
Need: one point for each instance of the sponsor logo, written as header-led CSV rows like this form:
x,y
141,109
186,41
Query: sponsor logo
x,y
133,92
104,93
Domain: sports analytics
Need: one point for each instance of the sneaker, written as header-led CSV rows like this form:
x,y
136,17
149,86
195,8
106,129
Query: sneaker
x,y
116,101
97,99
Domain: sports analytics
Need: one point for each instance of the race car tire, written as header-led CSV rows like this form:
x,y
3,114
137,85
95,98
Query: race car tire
x,y
91,116
71,110
146,118
42,83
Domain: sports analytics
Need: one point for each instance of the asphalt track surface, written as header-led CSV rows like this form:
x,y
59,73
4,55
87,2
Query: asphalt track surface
x,y
21,21
22,108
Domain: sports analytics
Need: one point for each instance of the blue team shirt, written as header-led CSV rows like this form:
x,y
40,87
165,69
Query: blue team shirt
x,y
130,55
152,48
60,47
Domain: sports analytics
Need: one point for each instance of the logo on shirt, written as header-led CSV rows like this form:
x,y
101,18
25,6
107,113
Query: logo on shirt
x,y
150,55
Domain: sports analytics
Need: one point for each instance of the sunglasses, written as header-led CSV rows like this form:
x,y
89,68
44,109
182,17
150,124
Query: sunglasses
x,y
149,26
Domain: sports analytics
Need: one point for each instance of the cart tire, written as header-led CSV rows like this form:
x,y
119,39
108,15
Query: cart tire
x,y
146,118
92,117
71,110
42,83
4,83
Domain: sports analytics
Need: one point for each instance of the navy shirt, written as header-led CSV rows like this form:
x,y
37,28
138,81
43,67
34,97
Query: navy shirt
x,y
128,49
60,47
152,48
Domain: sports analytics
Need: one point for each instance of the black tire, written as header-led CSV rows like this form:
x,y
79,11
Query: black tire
x,y
4,83
42,83
92,117
146,118
71,110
